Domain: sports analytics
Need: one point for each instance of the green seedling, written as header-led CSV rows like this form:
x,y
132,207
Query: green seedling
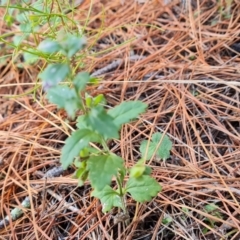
x,y
214,211
99,125
110,180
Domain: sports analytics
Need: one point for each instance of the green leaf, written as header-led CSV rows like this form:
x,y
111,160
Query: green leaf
x,y
64,97
71,44
26,28
185,209
75,143
88,100
99,99
143,188
81,80
8,19
49,46
127,111
53,74
167,220
84,153
147,171
81,172
71,106
102,169
140,169
161,150
81,122
30,58
109,198
22,17
80,164
17,40
59,94
137,170
210,207
98,120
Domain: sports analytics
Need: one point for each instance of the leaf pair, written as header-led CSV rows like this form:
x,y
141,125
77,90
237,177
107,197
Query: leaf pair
x,y
99,124
141,189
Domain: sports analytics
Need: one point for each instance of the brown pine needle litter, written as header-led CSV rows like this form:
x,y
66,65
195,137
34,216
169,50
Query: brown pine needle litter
x,y
187,71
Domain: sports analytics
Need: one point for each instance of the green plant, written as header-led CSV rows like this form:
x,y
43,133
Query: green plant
x,y
212,209
34,20
97,125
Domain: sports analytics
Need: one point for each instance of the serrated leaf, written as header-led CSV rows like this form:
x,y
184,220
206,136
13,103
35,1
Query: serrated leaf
x,y
75,143
102,169
71,44
81,80
49,46
64,97
161,150
143,188
71,107
54,74
109,198
81,123
127,111
59,94
98,120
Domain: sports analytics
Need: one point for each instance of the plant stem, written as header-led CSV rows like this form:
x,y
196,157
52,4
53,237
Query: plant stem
x,y
122,196
105,146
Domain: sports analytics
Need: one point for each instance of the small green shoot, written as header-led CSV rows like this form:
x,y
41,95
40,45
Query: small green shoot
x,y
167,220
213,210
